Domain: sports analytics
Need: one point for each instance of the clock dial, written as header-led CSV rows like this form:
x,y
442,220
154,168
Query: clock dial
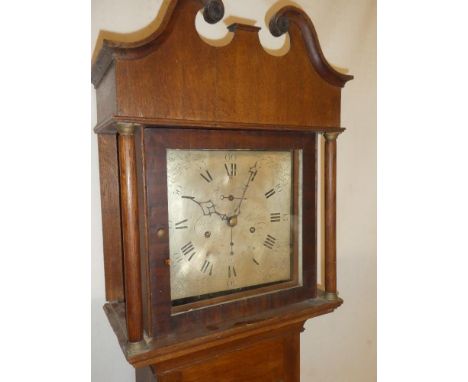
x,y
230,216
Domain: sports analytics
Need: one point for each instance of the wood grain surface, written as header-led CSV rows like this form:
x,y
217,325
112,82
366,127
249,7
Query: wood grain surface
x,y
110,211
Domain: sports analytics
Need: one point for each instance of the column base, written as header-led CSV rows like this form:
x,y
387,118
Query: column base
x,y
136,347
331,296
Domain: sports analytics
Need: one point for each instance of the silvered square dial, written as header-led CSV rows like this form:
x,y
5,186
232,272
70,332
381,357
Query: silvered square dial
x,y
230,221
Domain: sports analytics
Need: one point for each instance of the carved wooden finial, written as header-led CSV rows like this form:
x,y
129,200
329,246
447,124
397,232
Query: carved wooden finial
x,y
213,11
279,25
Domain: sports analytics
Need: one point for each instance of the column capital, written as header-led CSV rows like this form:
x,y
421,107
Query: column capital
x,y
125,128
331,136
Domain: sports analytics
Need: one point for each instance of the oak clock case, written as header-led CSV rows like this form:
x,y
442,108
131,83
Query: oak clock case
x,y
208,161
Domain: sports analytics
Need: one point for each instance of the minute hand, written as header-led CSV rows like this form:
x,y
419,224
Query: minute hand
x,y
252,175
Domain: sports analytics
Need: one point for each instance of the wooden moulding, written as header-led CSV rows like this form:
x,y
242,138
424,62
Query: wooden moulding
x,y
330,215
206,338
131,232
109,125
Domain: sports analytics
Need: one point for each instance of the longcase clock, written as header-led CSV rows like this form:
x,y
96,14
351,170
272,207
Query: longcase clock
x,y
209,177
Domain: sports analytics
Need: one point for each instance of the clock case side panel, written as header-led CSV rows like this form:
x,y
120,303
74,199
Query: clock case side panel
x,y
111,219
156,141
106,97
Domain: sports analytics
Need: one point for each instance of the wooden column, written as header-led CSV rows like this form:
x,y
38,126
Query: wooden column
x,y
130,231
330,216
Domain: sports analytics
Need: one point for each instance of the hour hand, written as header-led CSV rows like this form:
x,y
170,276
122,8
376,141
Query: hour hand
x,y
207,207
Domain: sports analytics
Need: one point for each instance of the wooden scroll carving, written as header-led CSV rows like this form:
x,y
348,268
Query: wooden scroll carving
x,y
280,24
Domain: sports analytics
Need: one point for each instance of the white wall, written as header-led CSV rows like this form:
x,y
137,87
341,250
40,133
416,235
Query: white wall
x,y
339,347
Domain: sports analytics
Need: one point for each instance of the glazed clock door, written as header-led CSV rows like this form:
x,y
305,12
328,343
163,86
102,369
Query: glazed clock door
x,y
227,227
